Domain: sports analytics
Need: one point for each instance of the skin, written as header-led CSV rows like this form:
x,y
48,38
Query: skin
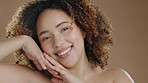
x,y
70,68
61,38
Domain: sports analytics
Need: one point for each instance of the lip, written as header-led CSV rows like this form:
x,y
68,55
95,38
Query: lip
x,y
61,50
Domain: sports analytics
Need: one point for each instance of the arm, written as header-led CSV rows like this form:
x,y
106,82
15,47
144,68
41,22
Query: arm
x,y
17,73
20,74
31,49
10,45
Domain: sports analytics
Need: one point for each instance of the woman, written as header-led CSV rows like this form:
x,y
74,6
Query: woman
x,y
68,38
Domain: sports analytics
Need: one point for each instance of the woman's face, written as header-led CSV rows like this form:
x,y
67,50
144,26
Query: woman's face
x,y
58,40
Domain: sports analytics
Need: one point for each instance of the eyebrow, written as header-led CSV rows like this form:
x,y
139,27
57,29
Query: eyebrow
x,y
61,23
43,32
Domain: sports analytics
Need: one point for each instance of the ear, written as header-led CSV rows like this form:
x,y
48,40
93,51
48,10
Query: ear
x,y
84,34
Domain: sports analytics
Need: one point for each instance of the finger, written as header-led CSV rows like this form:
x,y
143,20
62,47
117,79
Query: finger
x,y
63,72
57,76
55,80
37,65
52,61
54,73
35,60
41,61
51,68
47,63
48,58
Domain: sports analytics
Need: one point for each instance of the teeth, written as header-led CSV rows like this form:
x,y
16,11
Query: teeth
x,y
64,52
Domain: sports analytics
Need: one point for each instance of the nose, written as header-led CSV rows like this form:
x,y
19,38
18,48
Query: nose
x,y
58,41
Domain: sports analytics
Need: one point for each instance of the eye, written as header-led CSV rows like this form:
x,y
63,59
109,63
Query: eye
x,y
46,38
64,29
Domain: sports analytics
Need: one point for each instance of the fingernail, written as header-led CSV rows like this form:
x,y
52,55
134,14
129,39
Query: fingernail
x,y
44,53
56,73
40,69
44,68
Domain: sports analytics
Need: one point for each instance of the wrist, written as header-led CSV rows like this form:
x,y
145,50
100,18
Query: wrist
x,y
24,39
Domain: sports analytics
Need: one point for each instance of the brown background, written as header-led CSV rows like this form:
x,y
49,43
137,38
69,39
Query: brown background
x,y
129,19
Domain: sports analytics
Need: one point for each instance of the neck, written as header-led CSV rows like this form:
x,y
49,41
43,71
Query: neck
x,y
82,67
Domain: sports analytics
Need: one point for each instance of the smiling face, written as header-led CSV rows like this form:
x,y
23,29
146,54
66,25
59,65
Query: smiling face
x,y
60,37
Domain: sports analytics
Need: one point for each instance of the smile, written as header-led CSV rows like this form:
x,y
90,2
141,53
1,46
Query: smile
x,y
64,52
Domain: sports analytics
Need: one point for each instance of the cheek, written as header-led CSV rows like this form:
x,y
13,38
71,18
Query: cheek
x,y
77,37
49,51
46,49
75,34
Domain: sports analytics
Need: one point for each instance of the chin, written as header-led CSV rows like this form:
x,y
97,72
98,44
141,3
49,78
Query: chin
x,y
69,65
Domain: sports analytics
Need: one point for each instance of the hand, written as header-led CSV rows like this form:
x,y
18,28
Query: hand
x,y
34,53
61,74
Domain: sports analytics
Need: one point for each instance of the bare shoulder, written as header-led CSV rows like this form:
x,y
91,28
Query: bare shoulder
x,y
12,73
119,75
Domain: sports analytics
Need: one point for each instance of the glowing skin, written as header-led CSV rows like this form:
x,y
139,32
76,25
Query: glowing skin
x,y
58,40
64,45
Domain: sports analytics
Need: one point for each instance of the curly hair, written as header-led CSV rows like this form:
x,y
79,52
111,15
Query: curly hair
x,y
87,17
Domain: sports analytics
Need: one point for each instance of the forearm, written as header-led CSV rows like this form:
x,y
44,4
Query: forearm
x,y
11,45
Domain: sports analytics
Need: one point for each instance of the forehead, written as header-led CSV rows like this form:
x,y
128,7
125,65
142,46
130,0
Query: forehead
x,y
51,17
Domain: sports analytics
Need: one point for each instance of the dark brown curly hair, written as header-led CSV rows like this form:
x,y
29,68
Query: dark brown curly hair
x,y
87,17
